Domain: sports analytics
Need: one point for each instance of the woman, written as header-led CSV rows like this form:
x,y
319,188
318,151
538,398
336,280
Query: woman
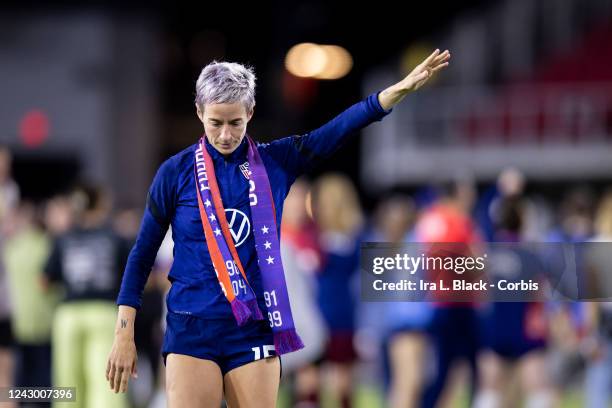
x,y
337,210
512,365
302,258
227,273
404,340
86,262
597,342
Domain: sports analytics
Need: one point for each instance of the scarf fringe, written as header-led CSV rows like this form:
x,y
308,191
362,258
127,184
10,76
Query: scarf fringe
x,y
241,312
287,341
257,315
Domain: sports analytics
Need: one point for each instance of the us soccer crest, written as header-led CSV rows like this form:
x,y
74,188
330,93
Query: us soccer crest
x,y
244,168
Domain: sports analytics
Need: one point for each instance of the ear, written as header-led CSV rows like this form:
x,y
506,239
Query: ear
x,y
250,115
199,113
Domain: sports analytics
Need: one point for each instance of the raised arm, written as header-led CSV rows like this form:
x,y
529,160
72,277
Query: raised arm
x,y
414,80
298,154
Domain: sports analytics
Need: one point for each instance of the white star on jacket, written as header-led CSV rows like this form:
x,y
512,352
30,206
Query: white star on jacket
x,y
212,218
268,245
207,202
217,231
264,229
270,260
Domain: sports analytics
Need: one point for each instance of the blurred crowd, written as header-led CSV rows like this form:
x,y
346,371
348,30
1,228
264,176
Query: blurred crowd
x,y
442,354
62,261
61,266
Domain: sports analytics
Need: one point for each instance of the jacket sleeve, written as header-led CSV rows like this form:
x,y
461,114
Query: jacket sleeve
x,y
158,213
298,154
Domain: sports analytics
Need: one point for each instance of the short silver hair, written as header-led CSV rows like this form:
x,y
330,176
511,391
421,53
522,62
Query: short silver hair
x,y
226,82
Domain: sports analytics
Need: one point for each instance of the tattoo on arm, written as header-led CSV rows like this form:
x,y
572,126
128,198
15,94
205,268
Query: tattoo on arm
x,y
123,323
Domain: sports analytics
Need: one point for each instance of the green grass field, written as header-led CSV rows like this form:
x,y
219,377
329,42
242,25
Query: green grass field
x,y
369,397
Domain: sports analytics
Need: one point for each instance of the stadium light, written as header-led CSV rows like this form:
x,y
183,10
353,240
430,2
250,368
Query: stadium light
x,y
310,60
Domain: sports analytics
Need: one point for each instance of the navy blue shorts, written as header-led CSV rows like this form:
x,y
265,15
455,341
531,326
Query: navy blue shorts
x,y
517,350
218,340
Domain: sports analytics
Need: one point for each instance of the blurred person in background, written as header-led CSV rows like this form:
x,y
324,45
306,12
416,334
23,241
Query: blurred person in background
x,y
454,325
597,342
25,252
9,198
9,190
86,261
513,364
159,279
302,258
126,222
569,318
338,215
58,215
6,333
510,183
216,340
405,323
575,217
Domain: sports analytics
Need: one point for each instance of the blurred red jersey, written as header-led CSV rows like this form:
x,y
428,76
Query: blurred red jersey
x,y
440,224
444,223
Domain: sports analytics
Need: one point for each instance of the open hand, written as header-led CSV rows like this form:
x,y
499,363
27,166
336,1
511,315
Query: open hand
x,y
121,364
391,96
425,70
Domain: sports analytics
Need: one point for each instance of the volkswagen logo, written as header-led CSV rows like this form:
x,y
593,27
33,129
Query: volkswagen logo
x,y
240,226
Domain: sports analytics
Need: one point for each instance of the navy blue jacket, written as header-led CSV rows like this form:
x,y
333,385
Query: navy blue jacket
x,y
172,202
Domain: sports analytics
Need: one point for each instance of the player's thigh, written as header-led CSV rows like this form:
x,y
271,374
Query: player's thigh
x,y
407,352
253,385
533,371
193,382
492,370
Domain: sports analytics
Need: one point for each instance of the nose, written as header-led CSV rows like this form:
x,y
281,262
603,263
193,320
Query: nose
x,y
225,133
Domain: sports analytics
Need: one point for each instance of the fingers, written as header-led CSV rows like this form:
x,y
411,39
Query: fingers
x,y
439,67
435,61
430,59
125,377
111,375
121,366
134,370
117,383
118,376
425,70
439,62
445,56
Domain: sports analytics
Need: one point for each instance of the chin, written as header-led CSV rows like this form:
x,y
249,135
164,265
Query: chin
x,y
226,150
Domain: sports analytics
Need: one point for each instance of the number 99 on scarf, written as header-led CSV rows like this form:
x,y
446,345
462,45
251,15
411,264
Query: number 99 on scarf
x,y
275,318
